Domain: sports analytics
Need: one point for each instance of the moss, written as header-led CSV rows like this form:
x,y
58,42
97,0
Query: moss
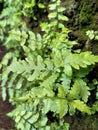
x,y
87,12
83,122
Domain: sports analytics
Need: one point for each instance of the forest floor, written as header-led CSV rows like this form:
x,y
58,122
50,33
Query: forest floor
x,y
5,122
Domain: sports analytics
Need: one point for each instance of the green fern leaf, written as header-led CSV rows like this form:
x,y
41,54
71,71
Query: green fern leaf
x,y
84,59
82,72
62,107
34,118
42,122
20,125
62,102
61,91
4,95
52,6
28,115
75,91
18,118
62,17
27,126
19,83
94,108
84,90
68,70
40,66
81,106
50,80
79,90
61,9
66,80
52,15
57,58
47,105
49,64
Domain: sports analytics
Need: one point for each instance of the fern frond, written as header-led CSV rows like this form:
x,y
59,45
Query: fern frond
x,y
84,59
81,106
79,90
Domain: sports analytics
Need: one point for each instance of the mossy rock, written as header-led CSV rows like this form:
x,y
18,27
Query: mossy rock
x,y
86,12
81,122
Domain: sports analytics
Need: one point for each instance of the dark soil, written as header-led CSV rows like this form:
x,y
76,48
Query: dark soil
x,y
5,122
83,122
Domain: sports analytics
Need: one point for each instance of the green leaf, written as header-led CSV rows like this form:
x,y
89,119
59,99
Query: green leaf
x,y
71,110
84,59
6,58
58,2
22,113
32,35
19,83
40,66
81,106
68,70
79,90
53,0
66,80
66,126
40,5
12,80
52,6
50,80
96,37
90,34
4,93
42,122
84,90
94,108
75,91
60,25
48,91
17,118
15,34
28,115
61,91
61,9
34,75
52,15
62,107
39,92
57,58
82,72
49,64
47,105
27,126
54,106
34,118
62,17
96,95
11,94
20,125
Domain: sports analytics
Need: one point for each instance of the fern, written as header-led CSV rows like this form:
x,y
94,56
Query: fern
x,y
79,90
80,106
94,108
42,74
